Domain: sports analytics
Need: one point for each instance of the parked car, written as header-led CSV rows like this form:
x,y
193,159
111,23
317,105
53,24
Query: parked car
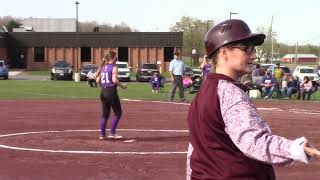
x,y
286,70
123,71
197,72
85,69
4,72
61,69
302,71
145,71
265,67
188,72
318,70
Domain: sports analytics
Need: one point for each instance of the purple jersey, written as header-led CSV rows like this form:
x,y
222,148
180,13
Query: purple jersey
x,y
155,79
106,76
206,69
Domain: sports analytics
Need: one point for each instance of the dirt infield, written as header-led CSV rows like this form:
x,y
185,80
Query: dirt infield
x,y
54,139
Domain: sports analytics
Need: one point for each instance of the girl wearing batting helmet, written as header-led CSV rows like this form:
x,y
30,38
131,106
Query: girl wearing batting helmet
x,y
108,81
228,137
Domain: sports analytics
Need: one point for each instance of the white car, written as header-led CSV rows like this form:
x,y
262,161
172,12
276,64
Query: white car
x,y
123,71
301,71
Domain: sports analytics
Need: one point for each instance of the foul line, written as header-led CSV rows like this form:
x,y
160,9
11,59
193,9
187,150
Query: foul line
x,y
93,152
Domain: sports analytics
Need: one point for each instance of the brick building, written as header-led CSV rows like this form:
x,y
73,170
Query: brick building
x,y
300,58
39,50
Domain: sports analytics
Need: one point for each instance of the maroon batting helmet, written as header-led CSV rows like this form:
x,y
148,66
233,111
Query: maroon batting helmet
x,y
230,31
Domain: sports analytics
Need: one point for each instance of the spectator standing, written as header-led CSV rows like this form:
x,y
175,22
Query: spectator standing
x,y
279,75
205,67
176,69
91,78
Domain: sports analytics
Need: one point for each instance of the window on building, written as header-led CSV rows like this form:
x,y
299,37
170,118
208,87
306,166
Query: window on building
x,y
123,54
39,54
85,54
168,54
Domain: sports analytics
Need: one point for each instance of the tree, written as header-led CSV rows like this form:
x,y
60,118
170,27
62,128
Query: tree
x,y
194,31
89,26
13,24
265,50
9,22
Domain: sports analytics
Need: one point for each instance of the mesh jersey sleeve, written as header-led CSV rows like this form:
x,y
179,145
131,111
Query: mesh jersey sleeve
x,y
248,131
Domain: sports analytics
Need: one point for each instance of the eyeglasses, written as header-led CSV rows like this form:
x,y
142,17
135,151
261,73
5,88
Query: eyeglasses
x,y
248,49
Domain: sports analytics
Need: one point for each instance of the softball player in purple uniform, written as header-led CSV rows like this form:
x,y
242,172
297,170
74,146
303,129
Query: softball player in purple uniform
x,y
108,81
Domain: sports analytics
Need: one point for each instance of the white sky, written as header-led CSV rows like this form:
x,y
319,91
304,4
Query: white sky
x,y
293,20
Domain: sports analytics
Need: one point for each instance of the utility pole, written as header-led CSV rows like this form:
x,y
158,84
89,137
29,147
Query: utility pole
x,y
271,39
230,14
77,28
296,52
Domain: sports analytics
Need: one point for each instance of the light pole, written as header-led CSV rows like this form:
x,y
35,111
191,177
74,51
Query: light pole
x,y
232,13
77,3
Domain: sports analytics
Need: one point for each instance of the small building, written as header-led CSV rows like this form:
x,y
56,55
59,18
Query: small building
x,y
39,50
302,58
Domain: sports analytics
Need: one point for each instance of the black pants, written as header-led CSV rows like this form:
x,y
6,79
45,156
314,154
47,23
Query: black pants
x,y
109,98
92,83
177,83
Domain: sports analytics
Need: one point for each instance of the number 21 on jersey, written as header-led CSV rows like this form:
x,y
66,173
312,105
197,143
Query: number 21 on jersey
x,y
104,78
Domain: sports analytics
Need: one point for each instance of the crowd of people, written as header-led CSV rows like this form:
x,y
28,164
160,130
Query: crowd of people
x,y
278,83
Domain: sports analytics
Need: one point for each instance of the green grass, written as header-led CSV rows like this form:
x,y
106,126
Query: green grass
x,y
37,73
24,89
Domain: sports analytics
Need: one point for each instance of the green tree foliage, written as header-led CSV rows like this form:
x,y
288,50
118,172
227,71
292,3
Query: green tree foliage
x,y
13,24
90,25
9,22
194,31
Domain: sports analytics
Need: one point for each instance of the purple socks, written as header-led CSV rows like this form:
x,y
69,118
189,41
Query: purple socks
x,y
115,121
103,125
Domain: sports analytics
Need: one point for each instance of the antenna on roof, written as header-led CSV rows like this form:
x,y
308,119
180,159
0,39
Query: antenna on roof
x,y
5,28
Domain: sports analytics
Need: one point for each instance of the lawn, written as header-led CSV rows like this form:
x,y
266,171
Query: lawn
x,y
27,89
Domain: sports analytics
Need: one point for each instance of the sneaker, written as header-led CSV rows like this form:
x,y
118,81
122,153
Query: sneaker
x,y
184,101
266,97
102,138
153,91
114,136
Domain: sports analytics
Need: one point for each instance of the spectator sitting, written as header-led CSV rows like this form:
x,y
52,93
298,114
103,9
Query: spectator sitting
x,y
91,78
256,77
306,87
268,85
246,80
187,83
155,82
289,87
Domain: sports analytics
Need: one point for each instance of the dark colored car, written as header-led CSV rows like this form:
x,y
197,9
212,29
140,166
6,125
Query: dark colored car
x,y
188,72
145,72
4,72
85,69
197,72
61,69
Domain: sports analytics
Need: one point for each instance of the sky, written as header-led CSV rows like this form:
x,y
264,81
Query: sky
x,y
293,20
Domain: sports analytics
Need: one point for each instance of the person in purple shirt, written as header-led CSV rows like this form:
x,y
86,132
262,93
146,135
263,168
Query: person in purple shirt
x,y
108,81
206,67
229,140
155,82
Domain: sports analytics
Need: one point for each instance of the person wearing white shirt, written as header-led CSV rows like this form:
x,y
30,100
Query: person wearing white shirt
x,y
176,69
